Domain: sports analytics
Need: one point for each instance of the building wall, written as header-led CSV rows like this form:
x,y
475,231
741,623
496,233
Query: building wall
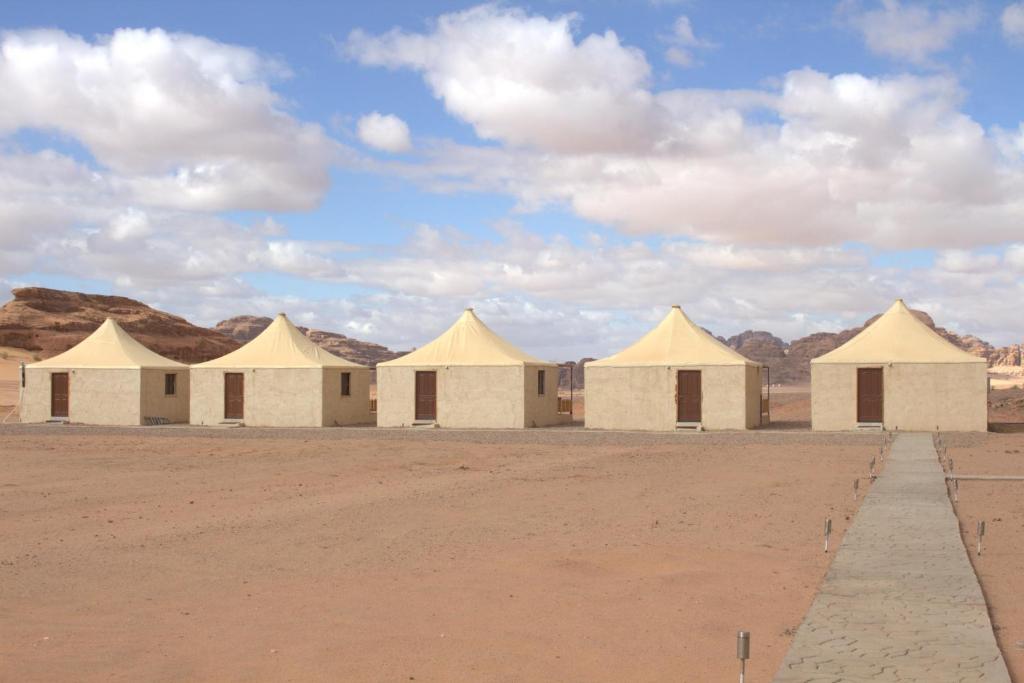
x,y
644,398
917,396
467,396
157,404
274,397
353,409
96,396
754,380
542,410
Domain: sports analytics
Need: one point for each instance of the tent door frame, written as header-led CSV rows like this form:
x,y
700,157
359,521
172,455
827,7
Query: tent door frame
x,y
60,402
234,380
689,411
424,401
867,399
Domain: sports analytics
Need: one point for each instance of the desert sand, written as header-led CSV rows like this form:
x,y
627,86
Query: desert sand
x,y
175,553
1001,504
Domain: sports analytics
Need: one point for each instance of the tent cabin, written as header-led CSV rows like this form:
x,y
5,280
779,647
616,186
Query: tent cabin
x,y
468,377
106,379
898,373
675,376
281,379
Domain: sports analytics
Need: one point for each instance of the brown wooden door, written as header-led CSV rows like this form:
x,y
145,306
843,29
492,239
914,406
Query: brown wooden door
x,y
59,394
426,395
869,395
688,396
234,396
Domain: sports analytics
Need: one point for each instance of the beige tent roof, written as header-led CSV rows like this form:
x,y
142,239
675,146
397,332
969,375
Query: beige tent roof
x,y
467,342
281,345
108,347
898,337
675,341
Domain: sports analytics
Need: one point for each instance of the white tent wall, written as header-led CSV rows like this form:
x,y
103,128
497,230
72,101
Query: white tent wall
x,y
273,397
468,396
156,402
644,397
99,396
353,409
916,396
542,409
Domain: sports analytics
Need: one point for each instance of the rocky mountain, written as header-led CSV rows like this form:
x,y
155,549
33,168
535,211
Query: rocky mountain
x,y
50,321
575,370
245,327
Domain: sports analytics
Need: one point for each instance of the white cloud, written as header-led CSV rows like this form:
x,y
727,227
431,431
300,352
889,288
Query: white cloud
x,y
1012,21
889,161
524,80
385,132
682,43
911,32
178,120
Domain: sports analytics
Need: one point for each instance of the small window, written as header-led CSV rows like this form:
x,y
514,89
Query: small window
x,y
540,382
346,384
170,384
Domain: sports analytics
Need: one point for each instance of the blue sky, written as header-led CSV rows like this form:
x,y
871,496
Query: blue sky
x,y
569,169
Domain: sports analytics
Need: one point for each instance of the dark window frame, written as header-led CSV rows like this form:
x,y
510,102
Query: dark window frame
x,y
171,384
346,384
540,382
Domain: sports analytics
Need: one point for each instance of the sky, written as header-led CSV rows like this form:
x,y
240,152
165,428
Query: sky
x,y
568,169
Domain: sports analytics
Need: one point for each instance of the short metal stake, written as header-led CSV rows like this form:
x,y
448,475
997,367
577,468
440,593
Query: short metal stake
x,y
743,652
856,485
871,468
956,490
981,535
828,532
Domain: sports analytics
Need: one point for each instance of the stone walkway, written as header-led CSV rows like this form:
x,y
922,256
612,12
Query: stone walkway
x,y
900,601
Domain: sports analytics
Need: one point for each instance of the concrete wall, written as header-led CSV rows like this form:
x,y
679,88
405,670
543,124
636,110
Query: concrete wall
x,y
917,396
96,396
353,409
157,404
644,398
542,410
467,396
274,397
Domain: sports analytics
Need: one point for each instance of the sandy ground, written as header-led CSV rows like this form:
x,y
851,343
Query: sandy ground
x,y
1001,504
164,554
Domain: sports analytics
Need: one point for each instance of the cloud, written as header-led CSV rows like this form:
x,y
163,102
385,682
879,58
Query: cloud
x,y
524,79
177,120
682,43
385,132
1012,22
910,32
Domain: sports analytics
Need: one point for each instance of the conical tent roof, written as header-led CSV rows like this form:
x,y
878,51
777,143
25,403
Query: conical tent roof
x,y
108,347
467,342
898,337
676,340
281,345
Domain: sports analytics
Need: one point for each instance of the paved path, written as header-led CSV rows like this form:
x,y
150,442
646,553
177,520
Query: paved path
x,y
901,601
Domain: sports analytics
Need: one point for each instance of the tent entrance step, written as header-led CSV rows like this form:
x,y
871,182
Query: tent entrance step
x,y
153,421
232,423
870,426
58,421
424,423
695,426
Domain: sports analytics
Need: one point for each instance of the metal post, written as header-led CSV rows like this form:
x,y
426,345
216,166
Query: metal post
x,y
743,652
981,534
856,485
871,468
828,532
956,490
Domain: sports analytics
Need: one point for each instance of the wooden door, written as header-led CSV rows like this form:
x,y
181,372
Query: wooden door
x,y
59,394
869,395
234,396
688,396
426,395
